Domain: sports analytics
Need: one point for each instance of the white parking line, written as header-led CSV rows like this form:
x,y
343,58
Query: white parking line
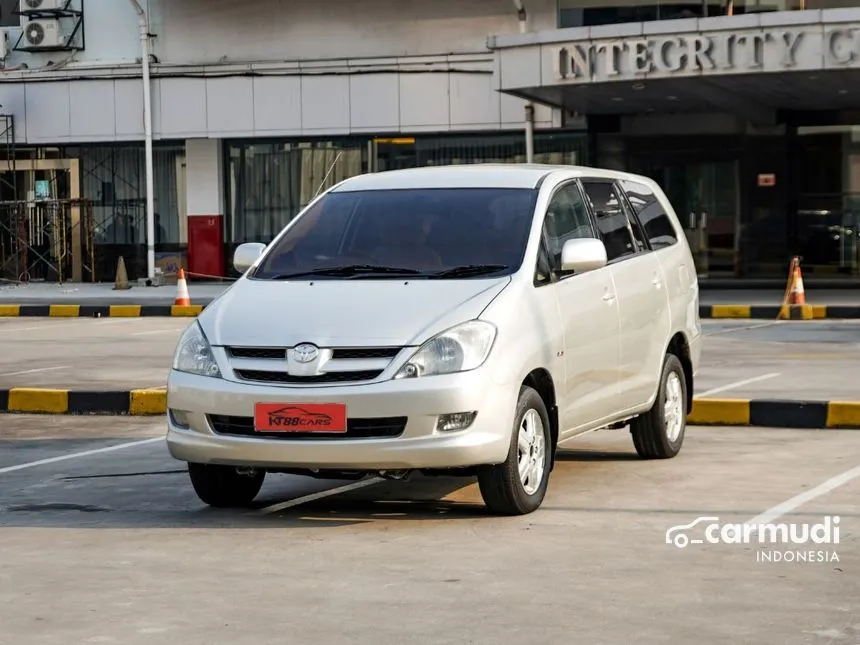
x,y
156,331
322,494
789,505
68,323
732,330
737,384
39,369
75,455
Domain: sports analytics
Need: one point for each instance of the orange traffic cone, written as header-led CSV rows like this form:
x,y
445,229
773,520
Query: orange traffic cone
x,y
797,295
794,305
183,299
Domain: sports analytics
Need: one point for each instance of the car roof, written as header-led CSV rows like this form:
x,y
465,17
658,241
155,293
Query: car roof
x,y
490,175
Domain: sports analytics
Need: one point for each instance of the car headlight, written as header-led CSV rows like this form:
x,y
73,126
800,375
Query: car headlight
x,y
194,354
459,349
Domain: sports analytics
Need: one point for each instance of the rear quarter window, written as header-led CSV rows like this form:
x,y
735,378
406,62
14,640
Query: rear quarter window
x,y
650,212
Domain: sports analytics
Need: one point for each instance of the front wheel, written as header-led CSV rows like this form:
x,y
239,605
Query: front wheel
x,y
225,486
659,433
518,485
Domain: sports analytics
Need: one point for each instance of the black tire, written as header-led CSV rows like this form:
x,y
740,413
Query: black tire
x,y
501,487
650,432
224,486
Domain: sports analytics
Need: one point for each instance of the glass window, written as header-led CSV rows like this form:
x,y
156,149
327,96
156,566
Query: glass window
x,y
8,17
114,177
658,227
558,148
588,13
421,231
566,219
617,232
269,183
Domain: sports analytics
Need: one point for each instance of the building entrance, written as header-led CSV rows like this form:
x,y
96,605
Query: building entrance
x,y
706,197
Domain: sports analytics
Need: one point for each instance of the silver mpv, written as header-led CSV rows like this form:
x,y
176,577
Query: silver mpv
x,y
457,320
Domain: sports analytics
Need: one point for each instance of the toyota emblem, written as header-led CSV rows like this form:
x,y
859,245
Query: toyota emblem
x,y
305,353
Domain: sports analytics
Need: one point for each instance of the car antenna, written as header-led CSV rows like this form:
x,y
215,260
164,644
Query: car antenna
x,y
330,168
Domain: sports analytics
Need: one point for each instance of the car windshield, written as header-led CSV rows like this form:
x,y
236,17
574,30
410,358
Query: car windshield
x,y
427,233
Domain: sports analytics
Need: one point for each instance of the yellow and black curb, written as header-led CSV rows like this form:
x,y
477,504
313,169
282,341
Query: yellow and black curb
x,y
758,312
98,311
706,412
785,312
813,415
103,402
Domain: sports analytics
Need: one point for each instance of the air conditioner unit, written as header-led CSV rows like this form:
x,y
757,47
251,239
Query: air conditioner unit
x,y
43,5
43,34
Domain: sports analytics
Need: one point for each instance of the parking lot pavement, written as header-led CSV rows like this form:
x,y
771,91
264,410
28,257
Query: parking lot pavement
x,y
80,353
112,547
811,360
36,293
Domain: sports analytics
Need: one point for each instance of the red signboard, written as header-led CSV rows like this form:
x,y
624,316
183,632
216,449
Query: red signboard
x,y
766,180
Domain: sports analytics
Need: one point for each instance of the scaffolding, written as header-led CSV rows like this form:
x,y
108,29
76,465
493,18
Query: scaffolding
x,y
8,181
37,239
42,237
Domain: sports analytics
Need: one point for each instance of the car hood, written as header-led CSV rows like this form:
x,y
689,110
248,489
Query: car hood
x,y
261,313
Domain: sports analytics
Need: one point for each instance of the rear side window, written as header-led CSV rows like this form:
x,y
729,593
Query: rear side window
x,y
658,227
620,237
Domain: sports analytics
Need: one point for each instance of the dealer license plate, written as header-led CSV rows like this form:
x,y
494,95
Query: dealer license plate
x,y
300,417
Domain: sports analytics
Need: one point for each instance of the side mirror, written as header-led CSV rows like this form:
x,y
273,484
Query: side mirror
x,y
246,254
582,255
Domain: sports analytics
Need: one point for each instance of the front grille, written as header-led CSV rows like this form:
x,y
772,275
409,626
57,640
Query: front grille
x,y
365,352
258,352
280,353
282,377
384,427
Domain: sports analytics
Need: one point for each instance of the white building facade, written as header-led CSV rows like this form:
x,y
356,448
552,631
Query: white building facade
x,y
256,106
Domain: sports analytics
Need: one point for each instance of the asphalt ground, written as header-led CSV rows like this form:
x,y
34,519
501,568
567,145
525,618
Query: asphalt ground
x,y
83,353
105,542
794,360
790,360
105,294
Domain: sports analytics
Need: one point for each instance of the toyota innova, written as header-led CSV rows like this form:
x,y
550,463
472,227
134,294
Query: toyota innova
x,y
460,320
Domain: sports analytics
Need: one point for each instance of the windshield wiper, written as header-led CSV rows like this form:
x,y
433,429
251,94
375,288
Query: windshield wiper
x,y
468,270
348,271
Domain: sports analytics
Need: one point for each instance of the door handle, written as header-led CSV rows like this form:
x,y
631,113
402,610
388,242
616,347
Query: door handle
x,y
608,296
656,281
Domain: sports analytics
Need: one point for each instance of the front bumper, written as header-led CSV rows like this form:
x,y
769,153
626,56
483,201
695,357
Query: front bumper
x,y
420,445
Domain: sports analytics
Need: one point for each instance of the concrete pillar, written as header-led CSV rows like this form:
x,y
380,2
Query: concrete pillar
x,y
205,207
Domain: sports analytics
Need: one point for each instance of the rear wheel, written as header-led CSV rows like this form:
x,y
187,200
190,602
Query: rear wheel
x,y
659,433
518,485
225,486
